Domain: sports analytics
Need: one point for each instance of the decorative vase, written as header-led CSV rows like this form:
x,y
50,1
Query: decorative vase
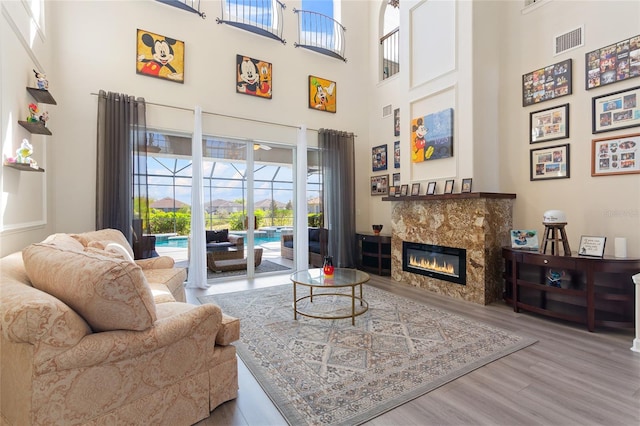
x,y
327,267
376,229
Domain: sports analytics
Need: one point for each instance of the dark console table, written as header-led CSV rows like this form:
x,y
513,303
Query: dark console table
x,y
374,253
587,290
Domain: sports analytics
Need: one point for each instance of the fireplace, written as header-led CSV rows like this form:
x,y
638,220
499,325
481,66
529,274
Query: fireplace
x,y
444,263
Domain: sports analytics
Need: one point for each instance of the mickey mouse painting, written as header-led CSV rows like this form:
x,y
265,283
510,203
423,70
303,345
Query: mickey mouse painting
x,y
160,56
418,143
253,77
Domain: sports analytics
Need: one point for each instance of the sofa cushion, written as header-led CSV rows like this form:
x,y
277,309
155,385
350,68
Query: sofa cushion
x,y
109,293
217,236
219,246
112,248
111,235
314,247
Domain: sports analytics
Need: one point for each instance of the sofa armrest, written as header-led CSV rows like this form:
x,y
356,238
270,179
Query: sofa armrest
x,y
162,262
236,239
181,321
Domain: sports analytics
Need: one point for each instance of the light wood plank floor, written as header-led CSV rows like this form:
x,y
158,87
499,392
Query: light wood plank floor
x,y
569,377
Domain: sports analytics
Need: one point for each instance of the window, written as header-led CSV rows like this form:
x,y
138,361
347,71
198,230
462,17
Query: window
x,y
262,17
390,40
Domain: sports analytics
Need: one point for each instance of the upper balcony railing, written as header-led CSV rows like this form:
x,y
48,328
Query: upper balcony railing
x,y
264,17
188,5
321,34
390,45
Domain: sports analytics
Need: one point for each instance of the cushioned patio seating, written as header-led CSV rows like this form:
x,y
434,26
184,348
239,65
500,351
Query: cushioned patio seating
x,y
216,265
317,246
224,245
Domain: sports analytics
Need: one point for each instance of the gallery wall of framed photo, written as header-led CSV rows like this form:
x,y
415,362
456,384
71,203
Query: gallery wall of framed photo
x,y
610,111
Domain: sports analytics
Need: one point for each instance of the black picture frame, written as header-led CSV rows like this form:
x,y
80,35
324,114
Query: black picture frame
x,y
415,189
448,186
549,124
396,179
396,155
616,110
613,63
551,162
396,122
404,190
548,83
431,188
379,158
466,185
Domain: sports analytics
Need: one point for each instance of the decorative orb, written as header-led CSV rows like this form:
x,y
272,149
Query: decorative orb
x,y
554,216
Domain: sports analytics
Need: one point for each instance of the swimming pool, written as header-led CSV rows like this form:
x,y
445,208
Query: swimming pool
x,y
182,241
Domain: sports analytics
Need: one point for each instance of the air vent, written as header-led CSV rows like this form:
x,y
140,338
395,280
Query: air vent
x,y
568,41
386,110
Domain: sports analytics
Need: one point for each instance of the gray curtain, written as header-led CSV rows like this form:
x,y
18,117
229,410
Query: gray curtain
x,y
337,158
121,175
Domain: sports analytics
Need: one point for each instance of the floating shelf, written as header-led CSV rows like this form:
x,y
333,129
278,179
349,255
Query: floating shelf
x,y
35,127
23,167
42,95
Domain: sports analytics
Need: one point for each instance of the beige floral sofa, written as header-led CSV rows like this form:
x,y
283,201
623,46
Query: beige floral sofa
x,y
88,338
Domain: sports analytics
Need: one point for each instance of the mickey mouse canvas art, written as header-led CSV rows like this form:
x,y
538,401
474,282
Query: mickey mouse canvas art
x,y
159,56
253,77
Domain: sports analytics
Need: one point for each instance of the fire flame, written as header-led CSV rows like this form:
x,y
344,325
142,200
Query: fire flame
x,y
433,265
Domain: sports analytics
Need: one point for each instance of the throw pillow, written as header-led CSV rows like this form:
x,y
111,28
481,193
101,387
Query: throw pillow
x,y
314,234
111,235
111,248
109,293
217,236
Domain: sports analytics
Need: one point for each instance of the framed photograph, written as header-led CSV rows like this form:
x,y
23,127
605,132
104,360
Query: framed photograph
x,y
322,94
591,246
432,136
149,47
404,190
615,111
415,189
524,239
545,84
431,188
392,191
549,163
466,185
615,155
396,155
397,187
396,179
396,122
448,187
616,62
380,185
549,124
379,158
253,77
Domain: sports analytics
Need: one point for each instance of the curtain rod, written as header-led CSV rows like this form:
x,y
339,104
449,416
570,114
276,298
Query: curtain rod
x,y
221,115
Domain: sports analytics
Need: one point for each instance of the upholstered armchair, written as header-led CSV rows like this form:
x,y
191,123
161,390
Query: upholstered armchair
x,y
317,246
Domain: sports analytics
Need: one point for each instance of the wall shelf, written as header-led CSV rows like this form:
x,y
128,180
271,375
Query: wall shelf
x,y
41,96
23,167
460,196
35,127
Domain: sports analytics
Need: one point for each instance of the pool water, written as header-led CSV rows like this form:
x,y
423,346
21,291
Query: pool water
x,y
183,241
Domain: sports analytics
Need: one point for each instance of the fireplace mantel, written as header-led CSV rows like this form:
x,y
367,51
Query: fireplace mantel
x,y
478,222
460,196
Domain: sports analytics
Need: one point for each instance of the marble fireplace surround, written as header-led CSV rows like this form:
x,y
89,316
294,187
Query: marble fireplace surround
x,y
479,222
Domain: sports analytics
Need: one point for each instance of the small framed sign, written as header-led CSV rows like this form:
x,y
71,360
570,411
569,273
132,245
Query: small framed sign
x,y
448,186
431,188
404,190
592,246
415,189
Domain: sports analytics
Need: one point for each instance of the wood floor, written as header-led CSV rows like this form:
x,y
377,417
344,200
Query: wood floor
x,y
569,377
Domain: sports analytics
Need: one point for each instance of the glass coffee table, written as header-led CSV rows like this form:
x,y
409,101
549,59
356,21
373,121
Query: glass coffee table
x,y
316,279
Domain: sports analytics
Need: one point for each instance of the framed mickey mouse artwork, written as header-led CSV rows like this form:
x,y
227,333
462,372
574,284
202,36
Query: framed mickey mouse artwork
x,y
159,56
253,77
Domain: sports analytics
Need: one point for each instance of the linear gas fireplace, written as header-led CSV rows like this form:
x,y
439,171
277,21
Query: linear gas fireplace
x,y
444,263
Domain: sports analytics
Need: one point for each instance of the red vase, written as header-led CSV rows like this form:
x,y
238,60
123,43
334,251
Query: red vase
x,y
327,268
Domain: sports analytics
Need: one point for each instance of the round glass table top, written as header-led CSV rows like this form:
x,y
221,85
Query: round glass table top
x,y
342,277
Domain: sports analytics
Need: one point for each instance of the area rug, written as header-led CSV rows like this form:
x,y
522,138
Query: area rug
x,y
328,372
265,266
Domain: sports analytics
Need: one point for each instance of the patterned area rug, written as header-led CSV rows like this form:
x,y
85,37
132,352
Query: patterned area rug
x,y
328,372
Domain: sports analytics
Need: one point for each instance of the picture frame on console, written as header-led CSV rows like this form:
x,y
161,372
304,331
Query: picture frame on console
x,y
549,124
431,188
415,189
404,190
448,186
397,187
615,111
592,246
549,163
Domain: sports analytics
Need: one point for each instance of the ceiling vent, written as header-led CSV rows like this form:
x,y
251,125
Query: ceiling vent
x,y
386,111
568,41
